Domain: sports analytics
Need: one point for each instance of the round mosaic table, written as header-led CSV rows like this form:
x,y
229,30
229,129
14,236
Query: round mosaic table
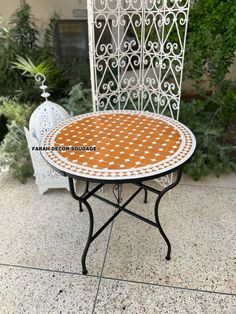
x,y
118,147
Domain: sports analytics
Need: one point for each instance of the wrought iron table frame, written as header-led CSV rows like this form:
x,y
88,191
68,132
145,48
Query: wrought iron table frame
x,y
83,200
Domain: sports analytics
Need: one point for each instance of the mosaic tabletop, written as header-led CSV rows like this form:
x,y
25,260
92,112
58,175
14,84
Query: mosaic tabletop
x,y
118,145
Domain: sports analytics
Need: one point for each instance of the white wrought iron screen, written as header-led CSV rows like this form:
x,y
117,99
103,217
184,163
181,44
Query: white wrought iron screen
x,y
141,65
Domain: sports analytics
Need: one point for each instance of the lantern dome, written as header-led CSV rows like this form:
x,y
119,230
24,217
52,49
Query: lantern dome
x,y
45,117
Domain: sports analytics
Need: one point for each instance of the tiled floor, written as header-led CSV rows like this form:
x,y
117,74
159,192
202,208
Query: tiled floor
x,y
42,239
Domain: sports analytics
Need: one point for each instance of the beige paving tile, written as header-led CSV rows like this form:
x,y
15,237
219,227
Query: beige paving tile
x,y
124,297
48,231
227,181
40,292
4,177
200,223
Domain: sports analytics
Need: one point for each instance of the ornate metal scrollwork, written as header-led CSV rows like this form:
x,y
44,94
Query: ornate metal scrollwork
x,y
141,66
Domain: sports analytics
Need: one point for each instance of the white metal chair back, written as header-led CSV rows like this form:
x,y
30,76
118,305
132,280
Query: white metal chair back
x,y
137,54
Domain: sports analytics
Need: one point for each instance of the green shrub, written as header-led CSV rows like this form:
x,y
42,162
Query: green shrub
x,y
14,153
79,101
13,110
210,51
18,36
79,72
56,81
25,47
209,118
211,41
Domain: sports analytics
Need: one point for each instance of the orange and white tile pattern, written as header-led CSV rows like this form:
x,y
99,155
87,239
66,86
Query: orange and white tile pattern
x,y
129,145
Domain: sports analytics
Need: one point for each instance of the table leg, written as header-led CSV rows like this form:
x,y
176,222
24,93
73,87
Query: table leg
x,y
85,192
83,200
156,211
145,195
117,192
90,236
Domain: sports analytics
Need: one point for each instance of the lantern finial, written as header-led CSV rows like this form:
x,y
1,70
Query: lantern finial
x,y
39,77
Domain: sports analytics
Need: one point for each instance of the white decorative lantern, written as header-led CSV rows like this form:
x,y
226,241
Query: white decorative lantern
x,y
42,120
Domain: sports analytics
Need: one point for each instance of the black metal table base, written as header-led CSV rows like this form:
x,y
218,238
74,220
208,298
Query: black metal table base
x,y
83,200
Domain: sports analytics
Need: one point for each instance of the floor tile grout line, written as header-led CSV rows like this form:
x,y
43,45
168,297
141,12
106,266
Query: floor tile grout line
x,y
103,265
167,286
48,270
115,279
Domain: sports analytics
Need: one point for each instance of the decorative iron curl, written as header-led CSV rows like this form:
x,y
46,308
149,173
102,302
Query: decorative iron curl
x,y
177,65
114,63
169,86
160,21
122,21
135,94
163,100
163,63
108,87
129,45
105,49
101,65
154,46
108,5
182,4
131,5
130,82
156,62
155,5
150,82
114,22
122,62
137,62
182,20
138,22
146,60
175,105
149,19
98,23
